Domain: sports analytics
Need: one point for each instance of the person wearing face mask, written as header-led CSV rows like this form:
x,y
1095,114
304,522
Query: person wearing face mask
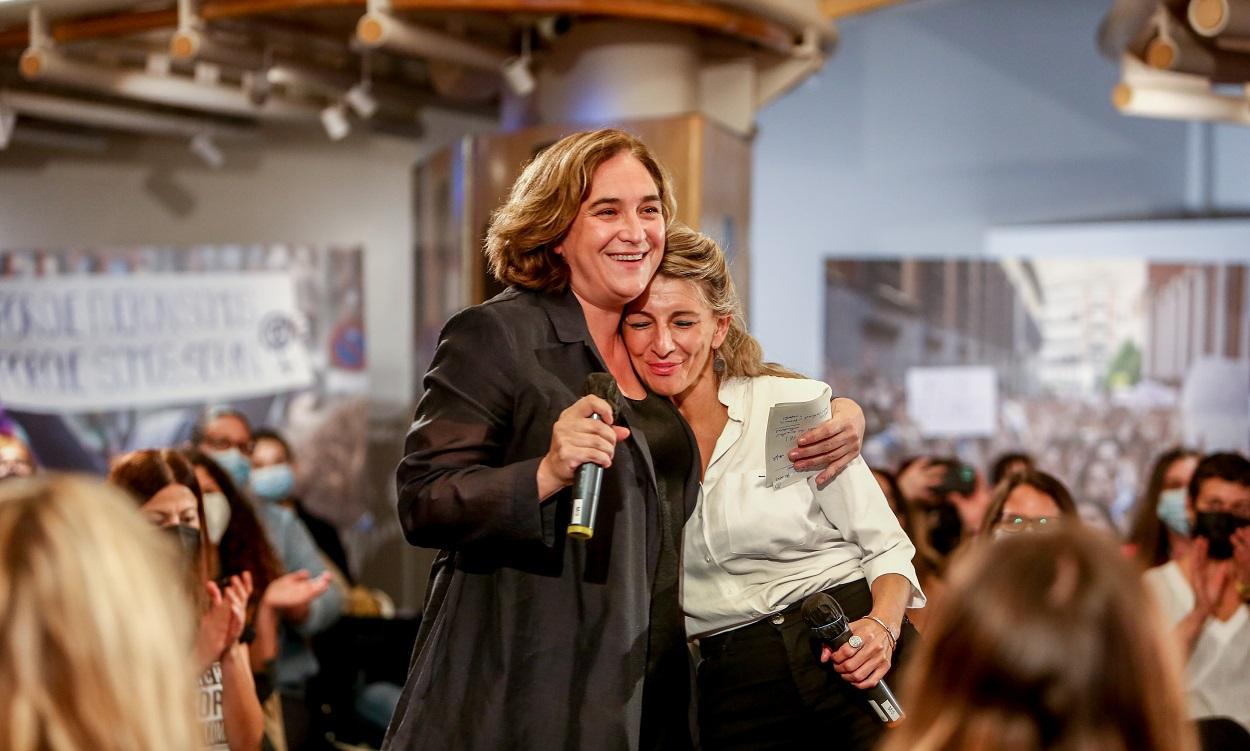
x,y
238,543
1203,595
1160,530
273,481
225,434
169,496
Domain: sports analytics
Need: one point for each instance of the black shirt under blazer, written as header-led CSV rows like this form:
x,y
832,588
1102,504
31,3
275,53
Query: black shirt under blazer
x,y
529,640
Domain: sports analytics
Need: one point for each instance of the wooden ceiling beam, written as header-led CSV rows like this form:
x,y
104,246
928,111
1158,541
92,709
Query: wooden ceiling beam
x,y
838,9
726,21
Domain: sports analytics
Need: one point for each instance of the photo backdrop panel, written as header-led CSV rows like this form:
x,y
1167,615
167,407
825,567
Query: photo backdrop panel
x,y
105,350
1092,366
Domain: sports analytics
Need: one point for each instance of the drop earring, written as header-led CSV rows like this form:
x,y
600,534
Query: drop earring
x,y
718,362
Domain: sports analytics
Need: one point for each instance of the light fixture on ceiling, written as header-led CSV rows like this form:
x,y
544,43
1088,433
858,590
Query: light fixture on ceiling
x,y
48,65
256,86
1149,92
360,96
334,120
203,146
113,116
1226,19
378,29
361,100
8,121
517,73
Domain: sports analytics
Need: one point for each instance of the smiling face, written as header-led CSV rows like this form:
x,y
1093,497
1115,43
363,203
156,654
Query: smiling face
x,y
670,333
614,245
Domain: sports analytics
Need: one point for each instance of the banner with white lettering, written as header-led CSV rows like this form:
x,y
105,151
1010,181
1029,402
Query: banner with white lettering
x,y
78,343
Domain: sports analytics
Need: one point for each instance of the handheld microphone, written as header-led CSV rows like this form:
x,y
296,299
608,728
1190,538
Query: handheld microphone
x,y
828,622
590,475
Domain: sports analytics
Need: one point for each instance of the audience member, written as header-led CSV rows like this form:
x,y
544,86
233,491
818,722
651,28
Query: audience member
x,y
1028,501
927,561
273,481
305,600
164,484
16,459
1008,464
950,498
1160,530
1043,642
1203,594
238,543
95,632
226,435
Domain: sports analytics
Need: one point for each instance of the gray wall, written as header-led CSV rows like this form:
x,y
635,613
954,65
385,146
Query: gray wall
x,y
934,121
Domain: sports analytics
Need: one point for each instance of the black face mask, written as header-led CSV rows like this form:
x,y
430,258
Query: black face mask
x,y
1218,527
188,539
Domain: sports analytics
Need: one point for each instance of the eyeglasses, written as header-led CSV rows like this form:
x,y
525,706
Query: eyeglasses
x,y
222,443
1013,523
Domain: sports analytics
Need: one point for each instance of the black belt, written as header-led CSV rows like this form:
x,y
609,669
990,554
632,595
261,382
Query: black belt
x,y
855,598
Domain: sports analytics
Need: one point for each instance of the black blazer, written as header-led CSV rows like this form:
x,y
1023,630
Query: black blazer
x,y
529,640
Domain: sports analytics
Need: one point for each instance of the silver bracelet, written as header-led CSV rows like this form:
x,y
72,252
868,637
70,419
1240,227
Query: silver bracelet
x,y
888,632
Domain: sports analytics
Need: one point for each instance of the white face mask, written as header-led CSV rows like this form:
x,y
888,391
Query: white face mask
x,y
216,515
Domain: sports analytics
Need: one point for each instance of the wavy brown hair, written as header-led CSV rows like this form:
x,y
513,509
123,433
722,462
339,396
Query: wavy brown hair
x,y
1045,642
145,473
95,641
692,256
544,201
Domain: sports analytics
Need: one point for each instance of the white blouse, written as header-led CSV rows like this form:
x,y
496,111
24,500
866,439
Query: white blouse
x,y
751,551
1217,673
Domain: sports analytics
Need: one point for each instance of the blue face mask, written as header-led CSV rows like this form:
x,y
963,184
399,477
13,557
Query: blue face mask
x,y
273,483
1171,511
238,466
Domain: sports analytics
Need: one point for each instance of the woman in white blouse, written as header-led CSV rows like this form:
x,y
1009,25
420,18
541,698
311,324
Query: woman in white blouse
x,y
753,553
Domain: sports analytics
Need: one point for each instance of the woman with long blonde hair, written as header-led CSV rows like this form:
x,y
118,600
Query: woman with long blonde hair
x,y
1044,642
95,626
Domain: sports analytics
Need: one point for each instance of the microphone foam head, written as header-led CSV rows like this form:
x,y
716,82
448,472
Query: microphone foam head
x,y
603,385
821,610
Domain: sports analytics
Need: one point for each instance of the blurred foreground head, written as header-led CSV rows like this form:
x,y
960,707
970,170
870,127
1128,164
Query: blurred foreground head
x,y
1045,642
95,629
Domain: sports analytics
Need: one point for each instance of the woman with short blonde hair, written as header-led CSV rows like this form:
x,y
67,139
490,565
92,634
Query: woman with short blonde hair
x,y
94,624
1044,642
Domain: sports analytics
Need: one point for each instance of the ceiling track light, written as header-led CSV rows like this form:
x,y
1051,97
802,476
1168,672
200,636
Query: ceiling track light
x,y
46,65
1220,18
516,72
361,100
113,117
334,121
8,122
205,149
377,29
1148,92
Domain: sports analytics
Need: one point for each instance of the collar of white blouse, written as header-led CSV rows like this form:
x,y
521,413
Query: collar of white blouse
x,y
732,393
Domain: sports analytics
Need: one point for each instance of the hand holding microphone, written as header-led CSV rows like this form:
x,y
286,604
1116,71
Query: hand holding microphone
x,y
583,441
828,623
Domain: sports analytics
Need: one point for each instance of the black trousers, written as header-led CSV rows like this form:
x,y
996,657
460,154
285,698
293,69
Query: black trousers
x,y
763,686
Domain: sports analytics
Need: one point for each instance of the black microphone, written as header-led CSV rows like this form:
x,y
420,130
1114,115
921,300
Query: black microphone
x,y
825,617
590,475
